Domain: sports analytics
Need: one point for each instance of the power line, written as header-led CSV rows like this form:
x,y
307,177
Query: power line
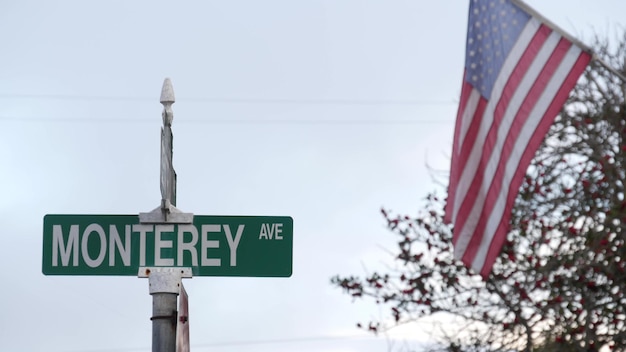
x,y
257,342
281,341
88,120
330,101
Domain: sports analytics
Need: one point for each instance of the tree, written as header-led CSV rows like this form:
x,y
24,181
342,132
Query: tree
x,y
560,281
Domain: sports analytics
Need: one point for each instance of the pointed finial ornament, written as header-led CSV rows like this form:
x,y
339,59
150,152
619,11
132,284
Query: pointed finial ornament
x,y
167,92
167,99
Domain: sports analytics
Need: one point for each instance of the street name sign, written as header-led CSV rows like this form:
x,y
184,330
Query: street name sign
x,y
250,246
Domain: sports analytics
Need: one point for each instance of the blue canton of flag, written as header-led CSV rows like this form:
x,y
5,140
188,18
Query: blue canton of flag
x,y
493,28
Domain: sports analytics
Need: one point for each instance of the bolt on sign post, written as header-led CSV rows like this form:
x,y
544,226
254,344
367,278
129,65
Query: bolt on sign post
x,y
166,244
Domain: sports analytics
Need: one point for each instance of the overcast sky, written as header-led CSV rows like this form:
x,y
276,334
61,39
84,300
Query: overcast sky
x,y
319,110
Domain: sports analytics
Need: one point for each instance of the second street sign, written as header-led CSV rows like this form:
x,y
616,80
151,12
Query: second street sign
x,y
253,246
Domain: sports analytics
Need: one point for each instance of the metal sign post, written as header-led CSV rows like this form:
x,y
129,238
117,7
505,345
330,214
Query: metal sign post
x,y
165,282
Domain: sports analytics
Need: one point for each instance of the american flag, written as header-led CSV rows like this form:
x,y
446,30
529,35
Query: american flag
x,y
519,71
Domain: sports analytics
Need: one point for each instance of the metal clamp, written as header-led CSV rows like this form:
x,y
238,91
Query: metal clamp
x,y
166,214
164,279
172,317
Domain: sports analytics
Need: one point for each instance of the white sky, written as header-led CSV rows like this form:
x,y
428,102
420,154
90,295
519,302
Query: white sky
x,y
320,110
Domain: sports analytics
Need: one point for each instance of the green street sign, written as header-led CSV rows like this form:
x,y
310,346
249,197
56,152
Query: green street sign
x,y
252,246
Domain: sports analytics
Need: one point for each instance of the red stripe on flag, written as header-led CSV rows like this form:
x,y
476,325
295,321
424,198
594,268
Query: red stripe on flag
x,y
466,92
536,139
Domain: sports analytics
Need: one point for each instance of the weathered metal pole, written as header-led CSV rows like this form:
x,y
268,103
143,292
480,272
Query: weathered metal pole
x,y
164,288
165,282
